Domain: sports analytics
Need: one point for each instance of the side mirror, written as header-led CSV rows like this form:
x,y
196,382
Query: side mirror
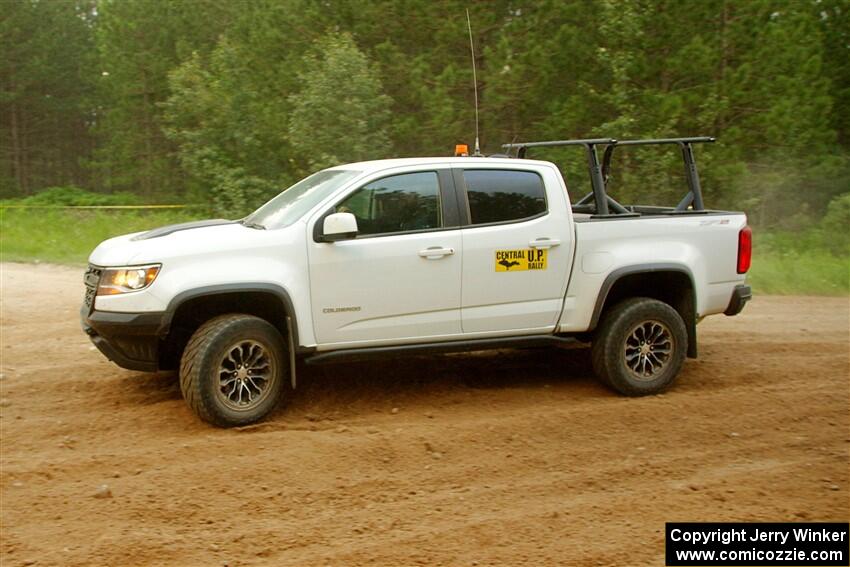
x,y
339,226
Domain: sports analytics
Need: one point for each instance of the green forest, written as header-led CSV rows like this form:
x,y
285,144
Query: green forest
x,y
224,103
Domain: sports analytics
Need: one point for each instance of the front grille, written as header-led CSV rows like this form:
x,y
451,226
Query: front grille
x,y
91,279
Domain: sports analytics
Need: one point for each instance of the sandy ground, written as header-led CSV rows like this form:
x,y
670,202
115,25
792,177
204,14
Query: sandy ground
x,y
499,459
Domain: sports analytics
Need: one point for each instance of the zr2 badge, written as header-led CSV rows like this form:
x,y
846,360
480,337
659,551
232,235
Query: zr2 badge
x,y
520,260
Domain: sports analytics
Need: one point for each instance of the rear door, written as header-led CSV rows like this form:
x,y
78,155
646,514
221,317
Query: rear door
x,y
399,279
517,249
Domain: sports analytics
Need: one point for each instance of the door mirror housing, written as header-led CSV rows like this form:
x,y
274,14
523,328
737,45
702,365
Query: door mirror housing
x,y
339,226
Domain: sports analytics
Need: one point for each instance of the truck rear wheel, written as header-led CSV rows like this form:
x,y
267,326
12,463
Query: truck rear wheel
x,y
640,346
233,370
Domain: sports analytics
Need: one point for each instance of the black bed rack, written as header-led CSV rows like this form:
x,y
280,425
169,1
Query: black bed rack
x,y
604,204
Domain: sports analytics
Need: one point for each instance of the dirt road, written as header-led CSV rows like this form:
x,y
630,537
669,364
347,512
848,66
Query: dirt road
x,y
504,459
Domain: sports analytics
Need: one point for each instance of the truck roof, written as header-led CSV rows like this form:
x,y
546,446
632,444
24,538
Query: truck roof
x,y
380,164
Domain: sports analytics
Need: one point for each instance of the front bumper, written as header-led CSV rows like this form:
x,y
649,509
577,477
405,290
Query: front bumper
x,y
130,340
740,296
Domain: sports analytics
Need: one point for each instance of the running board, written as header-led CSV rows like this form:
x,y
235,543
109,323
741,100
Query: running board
x,y
357,354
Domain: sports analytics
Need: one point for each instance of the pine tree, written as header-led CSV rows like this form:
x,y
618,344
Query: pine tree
x,y
139,42
228,110
234,100
340,114
47,70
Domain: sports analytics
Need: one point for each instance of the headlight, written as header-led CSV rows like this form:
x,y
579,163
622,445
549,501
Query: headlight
x,y
124,280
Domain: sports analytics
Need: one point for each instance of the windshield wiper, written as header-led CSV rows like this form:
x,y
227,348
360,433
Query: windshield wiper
x,y
250,224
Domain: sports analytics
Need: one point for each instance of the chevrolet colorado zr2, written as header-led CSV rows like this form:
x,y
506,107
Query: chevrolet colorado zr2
x,y
419,255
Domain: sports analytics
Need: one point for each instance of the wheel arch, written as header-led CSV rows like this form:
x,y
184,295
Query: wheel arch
x,y
671,283
191,308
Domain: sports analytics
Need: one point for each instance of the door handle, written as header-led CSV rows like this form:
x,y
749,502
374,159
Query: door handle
x,y
544,243
436,252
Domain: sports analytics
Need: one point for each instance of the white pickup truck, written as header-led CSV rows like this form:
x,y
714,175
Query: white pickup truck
x,y
418,255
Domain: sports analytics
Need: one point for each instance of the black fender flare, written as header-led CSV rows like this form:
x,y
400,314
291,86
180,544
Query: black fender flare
x,y
612,278
222,289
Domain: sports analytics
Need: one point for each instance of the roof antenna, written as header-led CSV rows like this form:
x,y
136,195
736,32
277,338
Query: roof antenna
x,y
474,83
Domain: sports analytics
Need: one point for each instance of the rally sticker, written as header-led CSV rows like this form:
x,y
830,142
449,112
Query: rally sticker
x,y
520,260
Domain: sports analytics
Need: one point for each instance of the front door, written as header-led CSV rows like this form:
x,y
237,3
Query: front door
x,y
517,250
399,279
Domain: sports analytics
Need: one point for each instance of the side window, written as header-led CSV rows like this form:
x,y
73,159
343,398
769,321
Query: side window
x,y
499,196
400,203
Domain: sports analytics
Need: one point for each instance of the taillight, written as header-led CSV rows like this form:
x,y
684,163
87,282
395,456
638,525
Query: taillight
x,y
745,249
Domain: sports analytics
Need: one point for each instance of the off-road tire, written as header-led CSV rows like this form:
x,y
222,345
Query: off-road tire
x,y
203,355
609,347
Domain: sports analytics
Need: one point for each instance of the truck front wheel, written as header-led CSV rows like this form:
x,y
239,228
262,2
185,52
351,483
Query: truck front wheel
x,y
233,370
639,346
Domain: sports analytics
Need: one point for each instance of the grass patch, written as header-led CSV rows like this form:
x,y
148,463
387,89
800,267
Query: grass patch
x,y
814,262
68,237
808,273
73,196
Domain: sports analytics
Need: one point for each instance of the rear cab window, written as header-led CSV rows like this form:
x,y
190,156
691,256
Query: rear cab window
x,y
503,196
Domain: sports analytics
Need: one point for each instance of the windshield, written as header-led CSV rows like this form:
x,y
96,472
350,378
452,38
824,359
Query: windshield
x,y
294,202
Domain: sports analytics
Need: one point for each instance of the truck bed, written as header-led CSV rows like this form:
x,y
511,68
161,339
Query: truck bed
x,y
705,246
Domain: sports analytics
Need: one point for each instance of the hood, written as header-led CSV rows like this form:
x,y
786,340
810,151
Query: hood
x,y
185,239
172,228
